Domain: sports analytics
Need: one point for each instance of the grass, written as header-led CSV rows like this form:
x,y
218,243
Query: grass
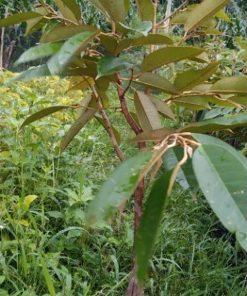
x,y
45,247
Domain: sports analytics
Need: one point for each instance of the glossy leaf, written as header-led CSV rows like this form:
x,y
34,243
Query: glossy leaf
x,y
157,82
73,46
111,65
62,32
237,84
150,223
167,55
39,52
221,172
118,188
43,113
146,111
18,18
145,10
141,28
202,12
69,9
216,124
189,79
116,10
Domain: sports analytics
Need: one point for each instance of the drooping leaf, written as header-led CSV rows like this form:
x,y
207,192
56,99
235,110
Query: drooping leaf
x,y
62,32
69,9
167,55
221,172
150,223
146,111
111,65
43,113
145,10
110,42
116,10
162,107
18,18
85,116
38,52
156,39
216,124
189,79
203,12
37,23
153,135
157,82
31,73
236,84
69,50
118,188
80,83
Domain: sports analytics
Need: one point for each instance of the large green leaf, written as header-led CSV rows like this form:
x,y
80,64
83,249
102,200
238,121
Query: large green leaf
x,y
69,50
111,65
69,9
237,84
162,107
116,10
150,223
145,10
118,188
62,32
18,18
142,28
167,55
157,82
38,52
147,113
31,73
189,79
157,39
203,12
216,124
193,102
43,113
221,172
35,24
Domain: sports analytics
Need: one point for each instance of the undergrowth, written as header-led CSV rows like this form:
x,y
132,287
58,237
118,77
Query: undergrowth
x,y
45,246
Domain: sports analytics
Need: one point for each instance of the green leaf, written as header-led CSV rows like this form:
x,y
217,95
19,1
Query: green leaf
x,y
111,65
116,10
221,172
39,52
236,84
62,32
167,55
150,223
69,9
118,188
43,113
109,42
141,28
85,116
38,22
146,10
157,82
153,135
203,12
216,124
146,111
31,73
18,18
69,50
188,79
157,39
162,107
193,102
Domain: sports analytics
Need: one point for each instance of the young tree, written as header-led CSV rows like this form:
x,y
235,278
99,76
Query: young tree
x,y
93,59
